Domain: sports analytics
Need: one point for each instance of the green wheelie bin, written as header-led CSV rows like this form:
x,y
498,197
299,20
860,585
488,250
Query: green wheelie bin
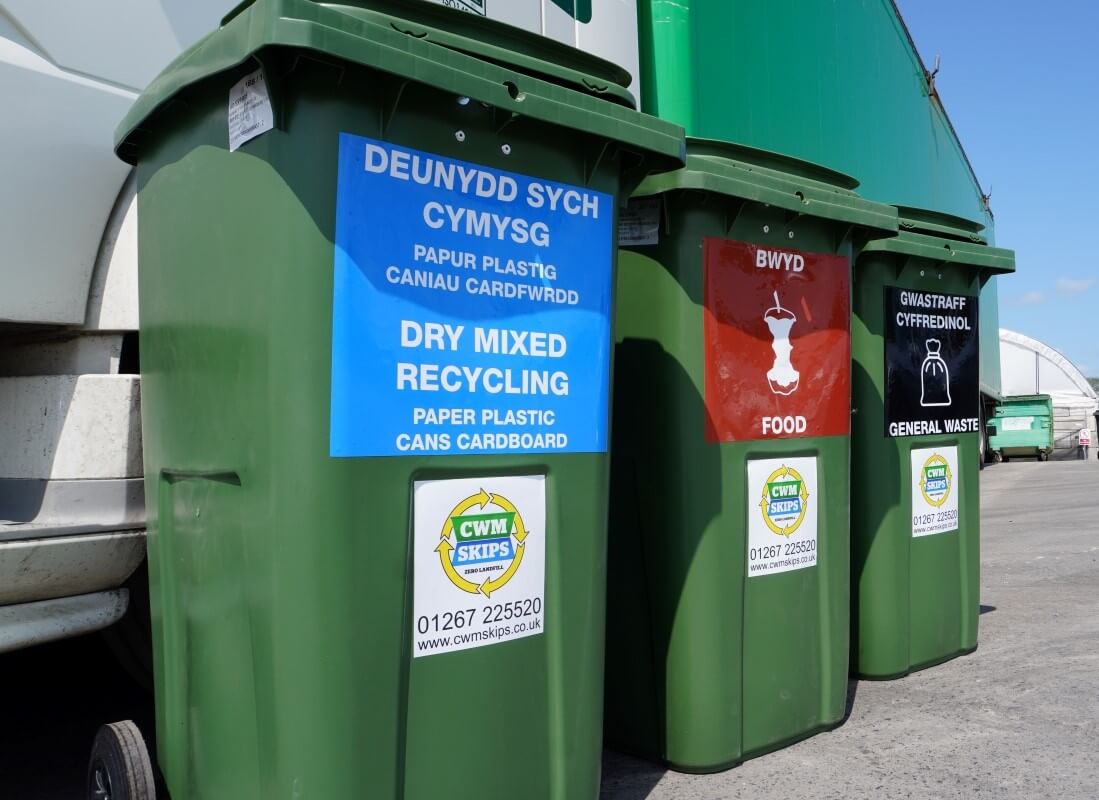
x,y
727,629
915,502
377,253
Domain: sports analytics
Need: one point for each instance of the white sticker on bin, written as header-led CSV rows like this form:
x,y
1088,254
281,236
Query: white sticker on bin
x,y
639,223
782,515
934,490
479,562
250,111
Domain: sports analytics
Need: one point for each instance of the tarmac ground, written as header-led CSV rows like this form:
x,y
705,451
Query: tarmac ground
x,y
1017,719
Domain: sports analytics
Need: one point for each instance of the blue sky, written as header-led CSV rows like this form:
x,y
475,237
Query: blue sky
x,y
1021,84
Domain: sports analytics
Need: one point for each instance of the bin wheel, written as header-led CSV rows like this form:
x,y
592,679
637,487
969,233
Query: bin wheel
x,y
119,767
1043,455
997,457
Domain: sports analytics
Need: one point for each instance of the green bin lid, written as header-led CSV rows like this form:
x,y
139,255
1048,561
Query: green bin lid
x,y
773,179
944,238
937,223
1024,405
485,60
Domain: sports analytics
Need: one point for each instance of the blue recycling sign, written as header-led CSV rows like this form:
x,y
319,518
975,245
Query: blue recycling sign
x,y
471,308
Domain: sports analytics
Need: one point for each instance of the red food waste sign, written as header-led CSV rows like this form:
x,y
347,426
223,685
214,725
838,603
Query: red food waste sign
x,y
778,342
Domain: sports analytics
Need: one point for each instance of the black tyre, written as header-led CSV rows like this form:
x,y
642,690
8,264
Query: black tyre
x,y
119,768
997,457
1043,455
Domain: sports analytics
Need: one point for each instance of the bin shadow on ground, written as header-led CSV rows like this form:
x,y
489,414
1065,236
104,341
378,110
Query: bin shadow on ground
x,y
644,776
849,704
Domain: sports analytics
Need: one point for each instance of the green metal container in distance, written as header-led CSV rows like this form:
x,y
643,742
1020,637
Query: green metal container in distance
x,y
915,499
728,576
1024,427
320,470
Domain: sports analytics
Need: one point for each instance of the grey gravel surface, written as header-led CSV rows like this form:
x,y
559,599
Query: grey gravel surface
x,y
1017,719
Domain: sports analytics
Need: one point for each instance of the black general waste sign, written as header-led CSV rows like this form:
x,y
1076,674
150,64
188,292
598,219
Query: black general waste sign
x,y
932,363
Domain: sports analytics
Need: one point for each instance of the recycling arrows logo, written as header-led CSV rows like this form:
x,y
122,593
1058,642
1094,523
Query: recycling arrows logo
x,y
935,481
785,501
484,535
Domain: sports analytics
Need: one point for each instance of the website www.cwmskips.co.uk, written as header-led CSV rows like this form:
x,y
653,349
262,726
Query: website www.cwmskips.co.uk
x,y
486,636
784,563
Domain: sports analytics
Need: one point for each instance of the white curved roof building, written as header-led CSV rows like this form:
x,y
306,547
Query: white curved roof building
x,y
1028,366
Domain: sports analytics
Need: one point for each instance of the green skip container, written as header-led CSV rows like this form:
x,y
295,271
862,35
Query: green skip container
x,y
915,501
1022,426
377,253
727,630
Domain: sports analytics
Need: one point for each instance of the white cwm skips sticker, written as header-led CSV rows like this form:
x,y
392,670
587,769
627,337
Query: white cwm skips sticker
x,y
479,562
934,490
782,515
